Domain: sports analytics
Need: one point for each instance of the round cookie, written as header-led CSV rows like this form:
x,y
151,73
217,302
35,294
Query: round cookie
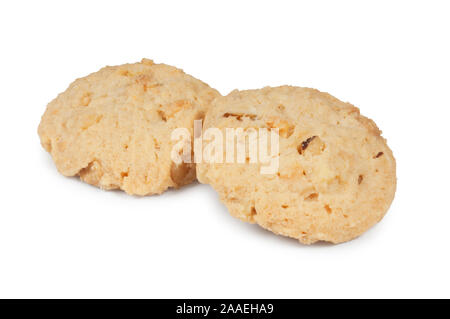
x,y
336,175
113,127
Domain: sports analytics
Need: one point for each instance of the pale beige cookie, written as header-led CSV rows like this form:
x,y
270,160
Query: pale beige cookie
x,y
113,127
336,174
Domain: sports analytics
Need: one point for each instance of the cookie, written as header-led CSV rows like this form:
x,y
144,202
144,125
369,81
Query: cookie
x,y
113,127
336,175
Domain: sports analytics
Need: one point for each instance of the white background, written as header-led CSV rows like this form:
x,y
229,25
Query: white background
x,y
62,238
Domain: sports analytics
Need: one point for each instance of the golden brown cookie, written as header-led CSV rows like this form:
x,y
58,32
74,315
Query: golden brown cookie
x,y
113,127
336,175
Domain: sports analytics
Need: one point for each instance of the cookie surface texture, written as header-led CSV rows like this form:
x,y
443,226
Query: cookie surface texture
x,y
113,127
336,175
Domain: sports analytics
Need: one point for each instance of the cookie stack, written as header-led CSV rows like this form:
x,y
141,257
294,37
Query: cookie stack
x,y
335,175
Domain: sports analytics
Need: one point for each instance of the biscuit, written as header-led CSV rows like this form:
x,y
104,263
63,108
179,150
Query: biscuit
x,y
336,176
113,127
